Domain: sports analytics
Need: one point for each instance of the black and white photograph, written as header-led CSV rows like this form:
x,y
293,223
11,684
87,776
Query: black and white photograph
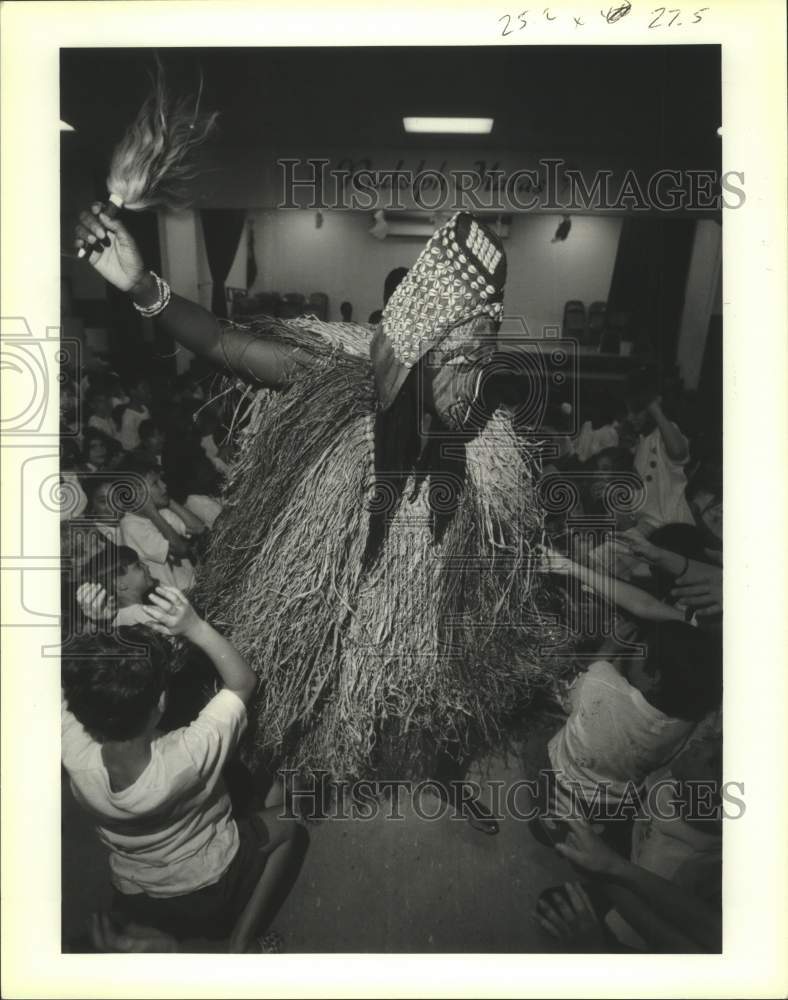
x,y
384,421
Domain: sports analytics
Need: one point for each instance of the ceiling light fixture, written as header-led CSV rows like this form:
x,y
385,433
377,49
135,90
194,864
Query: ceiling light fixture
x,y
464,126
65,127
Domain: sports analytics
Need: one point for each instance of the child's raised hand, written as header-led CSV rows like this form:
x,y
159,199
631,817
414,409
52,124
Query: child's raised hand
x,y
95,604
172,612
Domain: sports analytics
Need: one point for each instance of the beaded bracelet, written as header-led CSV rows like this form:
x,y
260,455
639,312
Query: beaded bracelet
x,y
164,293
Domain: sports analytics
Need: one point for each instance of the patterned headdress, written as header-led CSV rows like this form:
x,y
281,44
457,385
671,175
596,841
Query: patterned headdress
x,y
452,291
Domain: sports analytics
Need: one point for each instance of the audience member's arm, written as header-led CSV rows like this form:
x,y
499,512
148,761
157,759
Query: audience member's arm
x,y
633,600
175,616
178,545
700,587
670,562
675,442
193,523
677,908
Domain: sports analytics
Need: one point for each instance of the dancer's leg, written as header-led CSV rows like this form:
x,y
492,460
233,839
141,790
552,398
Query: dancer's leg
x,y
451,772
286,846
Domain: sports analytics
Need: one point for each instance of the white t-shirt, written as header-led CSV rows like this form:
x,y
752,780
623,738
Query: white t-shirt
x,y
591,440
664,482
129,427
205,507
172,831
153,548
613,735
104,424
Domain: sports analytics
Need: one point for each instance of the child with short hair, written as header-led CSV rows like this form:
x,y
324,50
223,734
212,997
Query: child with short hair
x,y
194,482
98,400
160,529
134,413
628,720
152,441
181,863
661,454
115,586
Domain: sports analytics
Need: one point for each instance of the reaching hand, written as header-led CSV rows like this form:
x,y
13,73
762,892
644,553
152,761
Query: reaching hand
x,y
131,938
92,598
112,250
638,544
172,613
554,562
585,848
569,917
700,587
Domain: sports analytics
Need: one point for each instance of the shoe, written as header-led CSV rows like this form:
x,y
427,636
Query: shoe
x,y
480,818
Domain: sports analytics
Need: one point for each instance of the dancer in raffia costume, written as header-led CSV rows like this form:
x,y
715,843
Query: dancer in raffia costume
x,y
379,578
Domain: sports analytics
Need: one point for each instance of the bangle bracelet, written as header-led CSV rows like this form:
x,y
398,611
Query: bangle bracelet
x,y
161,302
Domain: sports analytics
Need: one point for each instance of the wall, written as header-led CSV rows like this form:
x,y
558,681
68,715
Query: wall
x,y
343,260
702,299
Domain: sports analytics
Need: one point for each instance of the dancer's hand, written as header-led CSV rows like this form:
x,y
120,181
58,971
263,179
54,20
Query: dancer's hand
x,y
92,598
568,916
119,261
172,612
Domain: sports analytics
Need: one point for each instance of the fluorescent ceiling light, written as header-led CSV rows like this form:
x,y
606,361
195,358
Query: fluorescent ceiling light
x,y
466,126
65,127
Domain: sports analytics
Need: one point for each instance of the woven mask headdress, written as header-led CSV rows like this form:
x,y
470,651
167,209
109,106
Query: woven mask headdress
x,y
450,294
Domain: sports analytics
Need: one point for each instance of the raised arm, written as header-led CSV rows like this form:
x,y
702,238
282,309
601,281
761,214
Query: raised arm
x,y
113,252
632,599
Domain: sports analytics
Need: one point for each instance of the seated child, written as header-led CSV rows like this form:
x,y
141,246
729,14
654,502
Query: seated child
x,y
661,454
101,509
151,443
180,862
194,482
160,529
100,405
115,586
95,453
630,718
131,416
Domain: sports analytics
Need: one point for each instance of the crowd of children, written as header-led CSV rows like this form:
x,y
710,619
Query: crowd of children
x,y
645,708
142,468
147,750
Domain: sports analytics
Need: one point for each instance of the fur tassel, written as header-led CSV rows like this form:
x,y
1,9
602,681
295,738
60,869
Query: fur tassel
x,y
155,157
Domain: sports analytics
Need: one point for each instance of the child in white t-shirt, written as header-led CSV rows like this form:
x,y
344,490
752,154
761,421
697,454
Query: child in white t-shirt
x,y
135,412
160,530
115,586
626,721
180,862
100,406
661,454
